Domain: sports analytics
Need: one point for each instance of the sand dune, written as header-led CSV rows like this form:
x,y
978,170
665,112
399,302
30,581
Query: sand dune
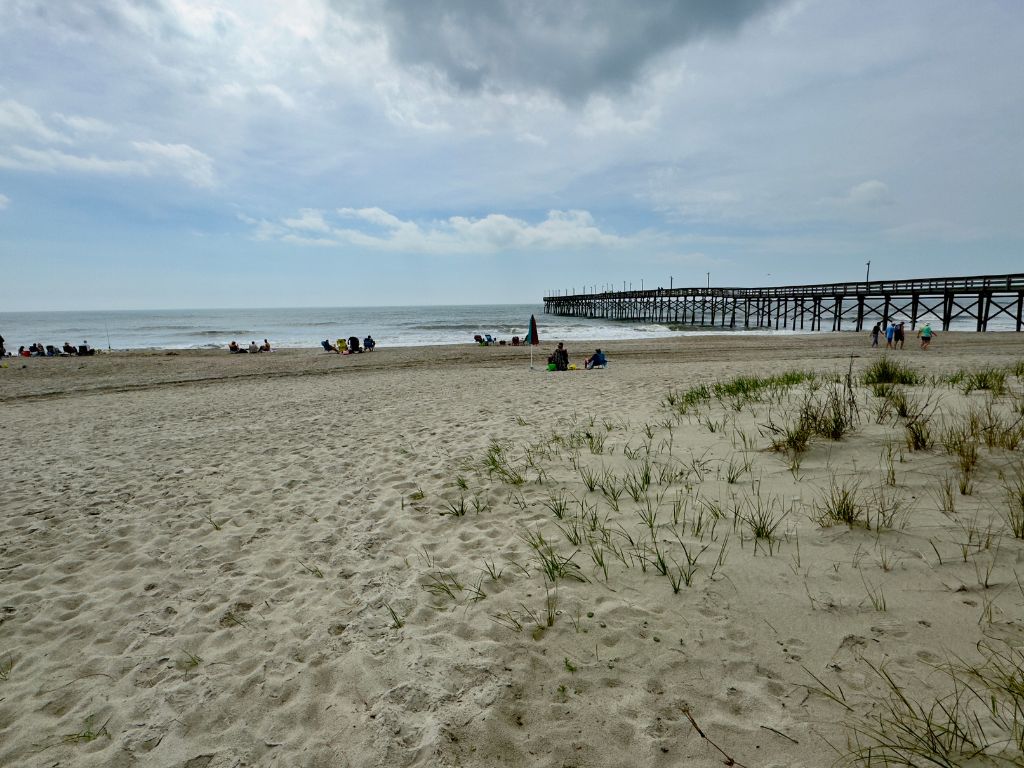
x,y
211,560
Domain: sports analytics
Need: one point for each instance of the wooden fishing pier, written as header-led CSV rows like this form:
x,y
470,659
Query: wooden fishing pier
x,y
827,306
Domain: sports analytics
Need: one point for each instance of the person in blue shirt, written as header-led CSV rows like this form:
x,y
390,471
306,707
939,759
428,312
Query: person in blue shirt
x,y
595,360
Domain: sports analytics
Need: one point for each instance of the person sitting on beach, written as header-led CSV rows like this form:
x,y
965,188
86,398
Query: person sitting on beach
x,y
369,343
596,360
560,357
342,346
353,344
68,349
328,347
85,349
265,347
233,347
253,348
22,352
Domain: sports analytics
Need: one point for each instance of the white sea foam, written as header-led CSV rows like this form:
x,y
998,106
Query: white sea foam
x,y
306,327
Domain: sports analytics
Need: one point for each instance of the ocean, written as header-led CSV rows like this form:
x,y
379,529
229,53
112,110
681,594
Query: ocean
x,y
306,327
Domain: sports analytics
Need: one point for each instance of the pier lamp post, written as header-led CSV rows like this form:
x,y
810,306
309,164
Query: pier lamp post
x,y
709,281
867,278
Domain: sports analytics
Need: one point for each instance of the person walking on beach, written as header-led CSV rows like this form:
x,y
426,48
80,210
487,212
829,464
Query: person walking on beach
x,y
875,333
899,336
925,334
890,334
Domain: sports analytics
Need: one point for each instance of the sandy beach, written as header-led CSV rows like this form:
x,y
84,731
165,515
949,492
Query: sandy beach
x,y
439,557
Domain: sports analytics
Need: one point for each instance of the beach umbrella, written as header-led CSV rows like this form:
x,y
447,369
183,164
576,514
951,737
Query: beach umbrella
x,y
532,338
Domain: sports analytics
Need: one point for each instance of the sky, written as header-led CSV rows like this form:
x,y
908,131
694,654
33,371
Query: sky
x,y
185,154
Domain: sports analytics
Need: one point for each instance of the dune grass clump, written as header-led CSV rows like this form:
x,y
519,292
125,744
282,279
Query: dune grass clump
x,y
989,379
1015,504
558,503
742,390
918,433
977,720
831,416
682,401
554,565
762,515
996,427
839,504
888,371
497,462
886,509
836,415
898,401
455,508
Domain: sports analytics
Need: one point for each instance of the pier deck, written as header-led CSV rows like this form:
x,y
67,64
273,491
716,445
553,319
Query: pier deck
x,y
827,306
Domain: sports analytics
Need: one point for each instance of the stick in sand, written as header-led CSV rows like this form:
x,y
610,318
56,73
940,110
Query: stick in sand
x,y
728,760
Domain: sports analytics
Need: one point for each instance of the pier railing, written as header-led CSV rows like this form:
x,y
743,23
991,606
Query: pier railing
x,y
978,299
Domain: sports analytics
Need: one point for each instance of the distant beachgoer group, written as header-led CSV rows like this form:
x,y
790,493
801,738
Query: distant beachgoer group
x,y
895,334
349,346
253,348
38,349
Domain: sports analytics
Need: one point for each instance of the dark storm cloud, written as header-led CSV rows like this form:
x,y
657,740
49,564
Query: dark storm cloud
x,y
572,48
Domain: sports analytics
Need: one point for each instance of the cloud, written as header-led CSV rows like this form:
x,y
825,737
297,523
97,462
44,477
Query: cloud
x,y
178,159
4,202
84,125
869,193
157,159
55,161
25,122
266,92
378,229
373,216
572,48
108,157
308,219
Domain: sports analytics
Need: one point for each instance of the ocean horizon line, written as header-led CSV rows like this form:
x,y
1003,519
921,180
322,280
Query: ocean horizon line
x,y
539,303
